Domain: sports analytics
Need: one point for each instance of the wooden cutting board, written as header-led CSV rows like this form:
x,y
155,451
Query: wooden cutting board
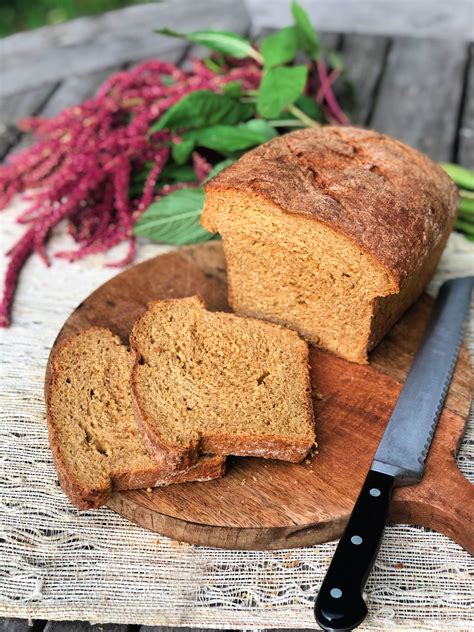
x,y
268,504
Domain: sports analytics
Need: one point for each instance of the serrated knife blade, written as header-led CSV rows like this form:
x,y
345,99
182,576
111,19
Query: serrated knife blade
x,y
399,460
405,443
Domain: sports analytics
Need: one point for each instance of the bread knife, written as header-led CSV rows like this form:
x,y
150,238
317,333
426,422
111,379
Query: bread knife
x,y
399,459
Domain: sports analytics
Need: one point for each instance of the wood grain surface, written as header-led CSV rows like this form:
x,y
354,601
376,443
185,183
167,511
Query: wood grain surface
x,y
263,504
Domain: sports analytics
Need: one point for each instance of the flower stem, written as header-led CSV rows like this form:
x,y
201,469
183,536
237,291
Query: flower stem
x,y
256,55
301,116
287,123
329,96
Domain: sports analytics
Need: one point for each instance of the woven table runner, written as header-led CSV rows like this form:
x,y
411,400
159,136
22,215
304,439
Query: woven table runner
x,y
60,563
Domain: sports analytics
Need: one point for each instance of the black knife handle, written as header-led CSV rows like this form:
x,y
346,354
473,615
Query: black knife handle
x,y
339,604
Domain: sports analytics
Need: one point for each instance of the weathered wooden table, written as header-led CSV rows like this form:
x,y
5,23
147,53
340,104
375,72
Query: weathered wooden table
x,y
418,89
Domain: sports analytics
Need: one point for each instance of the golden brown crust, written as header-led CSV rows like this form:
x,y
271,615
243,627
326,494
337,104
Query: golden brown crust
x,y
390,199
293,450
280,448
88,497
207,468
174,457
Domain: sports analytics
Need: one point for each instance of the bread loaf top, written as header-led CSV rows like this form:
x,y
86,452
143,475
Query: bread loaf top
x,y
390,199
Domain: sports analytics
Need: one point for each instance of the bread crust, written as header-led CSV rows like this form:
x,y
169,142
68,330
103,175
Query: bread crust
x,y
89,497
391,200
222,444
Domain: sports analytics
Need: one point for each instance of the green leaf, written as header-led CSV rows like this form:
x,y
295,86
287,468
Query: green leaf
x,y
466,227
203,108
229,138
233,89
466,205
310,107
336,61
174,219
279,88
462,177
177,173
261,126
279,48
219,167
221,41
182,151
307,37
213,65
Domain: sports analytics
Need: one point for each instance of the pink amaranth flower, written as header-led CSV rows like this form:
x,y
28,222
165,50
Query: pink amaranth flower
x,y
82,167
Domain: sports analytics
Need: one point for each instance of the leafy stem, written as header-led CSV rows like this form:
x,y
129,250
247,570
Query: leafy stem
x,y
287,123
257,56
302,117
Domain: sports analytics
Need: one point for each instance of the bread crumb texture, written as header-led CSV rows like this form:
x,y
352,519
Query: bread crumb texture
x,y
333,232
96,444
207,382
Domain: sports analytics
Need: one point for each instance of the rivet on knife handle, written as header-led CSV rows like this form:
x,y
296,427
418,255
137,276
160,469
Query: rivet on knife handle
x,y
399,460
340,605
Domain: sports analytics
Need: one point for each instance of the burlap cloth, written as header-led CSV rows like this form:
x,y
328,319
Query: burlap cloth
x,y
60,563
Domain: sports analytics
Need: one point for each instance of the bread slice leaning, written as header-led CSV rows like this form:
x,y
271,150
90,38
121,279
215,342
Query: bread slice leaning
x,y
96,445
207,382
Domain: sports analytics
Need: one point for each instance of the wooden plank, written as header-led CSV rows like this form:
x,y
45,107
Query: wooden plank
x,y
91,44
419,18
330,41
327,40
84,626
420,94
159,628
14,625
365,57
17,106
75,89
465,154
78,88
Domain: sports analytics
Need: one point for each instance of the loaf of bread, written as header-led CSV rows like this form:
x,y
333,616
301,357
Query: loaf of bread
x,y
92,430
215,383
332,231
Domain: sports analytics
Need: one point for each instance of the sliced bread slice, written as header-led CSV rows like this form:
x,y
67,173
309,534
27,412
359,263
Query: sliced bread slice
x,y
208,382
96,445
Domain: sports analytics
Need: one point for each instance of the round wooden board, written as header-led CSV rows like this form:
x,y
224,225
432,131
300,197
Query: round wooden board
x,y
262,504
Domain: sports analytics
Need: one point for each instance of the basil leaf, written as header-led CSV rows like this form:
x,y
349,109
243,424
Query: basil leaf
x,y
307,37
221,41
203,108
279,48
466,205
336,61
310,107
174,219
219,167
213,65
233,89
262,127
177,173
182,151
466,227
462,177
279,88
228,138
